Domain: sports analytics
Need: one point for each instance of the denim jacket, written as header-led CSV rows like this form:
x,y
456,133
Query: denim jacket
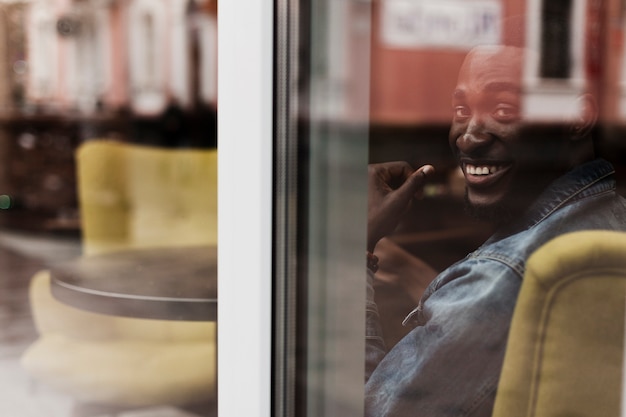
x,y
450,362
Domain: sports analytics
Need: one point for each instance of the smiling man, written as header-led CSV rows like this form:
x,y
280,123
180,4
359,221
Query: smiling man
x,y
506,166
534,184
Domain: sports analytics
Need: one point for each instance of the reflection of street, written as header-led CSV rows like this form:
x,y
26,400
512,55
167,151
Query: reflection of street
x,y
37,159
21,255
136,71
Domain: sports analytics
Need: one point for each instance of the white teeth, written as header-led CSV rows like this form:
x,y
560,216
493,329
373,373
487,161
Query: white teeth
x,y
480,170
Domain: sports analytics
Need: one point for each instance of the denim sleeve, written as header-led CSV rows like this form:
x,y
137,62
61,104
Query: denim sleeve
x,y
375,349
449,363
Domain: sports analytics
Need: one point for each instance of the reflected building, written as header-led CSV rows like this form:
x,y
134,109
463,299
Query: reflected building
x,y
575,43
105,55
419,45
142,71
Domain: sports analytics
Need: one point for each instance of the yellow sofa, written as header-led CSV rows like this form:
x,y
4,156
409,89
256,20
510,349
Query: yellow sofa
x,y
131,197
566,344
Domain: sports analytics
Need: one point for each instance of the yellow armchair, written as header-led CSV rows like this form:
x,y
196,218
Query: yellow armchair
x,y
131,197
566,344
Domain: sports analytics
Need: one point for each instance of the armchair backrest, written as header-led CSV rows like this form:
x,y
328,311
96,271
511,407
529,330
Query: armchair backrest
x,y
566,344
141,196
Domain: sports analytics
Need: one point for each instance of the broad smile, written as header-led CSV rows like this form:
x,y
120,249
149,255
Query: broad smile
x,y
483,174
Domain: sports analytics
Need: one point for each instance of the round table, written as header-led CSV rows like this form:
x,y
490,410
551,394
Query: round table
x,y
178,283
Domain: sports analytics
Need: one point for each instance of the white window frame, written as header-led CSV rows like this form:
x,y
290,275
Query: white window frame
x,y
179,53
104,57
81,54
554,99
207,33
245,89
43,55
90,53
151,98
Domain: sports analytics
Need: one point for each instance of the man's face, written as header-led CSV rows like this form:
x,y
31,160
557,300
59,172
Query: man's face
x,y
486,133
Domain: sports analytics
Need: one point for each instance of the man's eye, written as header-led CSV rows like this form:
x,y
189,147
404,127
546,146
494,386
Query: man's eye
x,y
506,112
461,112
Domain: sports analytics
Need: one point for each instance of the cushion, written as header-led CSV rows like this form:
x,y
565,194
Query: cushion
x,y
566,344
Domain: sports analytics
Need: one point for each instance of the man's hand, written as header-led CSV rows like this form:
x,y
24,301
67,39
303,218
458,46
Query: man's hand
x,y
401,269
392,186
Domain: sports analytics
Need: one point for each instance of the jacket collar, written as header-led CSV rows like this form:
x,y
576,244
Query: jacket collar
x,y
585,180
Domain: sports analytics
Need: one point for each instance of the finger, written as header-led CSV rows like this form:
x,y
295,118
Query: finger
x,y
415,183
399,201
399,169
392,174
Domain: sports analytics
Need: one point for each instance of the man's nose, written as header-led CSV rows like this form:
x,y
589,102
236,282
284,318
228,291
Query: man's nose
x,y
474,137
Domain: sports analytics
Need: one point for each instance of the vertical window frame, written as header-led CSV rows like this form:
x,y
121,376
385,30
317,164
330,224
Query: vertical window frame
x,y
245,142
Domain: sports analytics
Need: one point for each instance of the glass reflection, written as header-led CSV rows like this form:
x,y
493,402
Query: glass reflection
x,y
533,123
107,146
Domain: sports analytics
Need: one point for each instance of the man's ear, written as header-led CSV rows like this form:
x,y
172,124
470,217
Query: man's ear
x,y
587,117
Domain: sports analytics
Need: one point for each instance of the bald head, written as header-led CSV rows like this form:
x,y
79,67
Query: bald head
x,y
492,65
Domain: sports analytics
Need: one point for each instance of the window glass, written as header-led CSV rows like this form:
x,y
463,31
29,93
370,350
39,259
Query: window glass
x,y
108,208
321,154
514,113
